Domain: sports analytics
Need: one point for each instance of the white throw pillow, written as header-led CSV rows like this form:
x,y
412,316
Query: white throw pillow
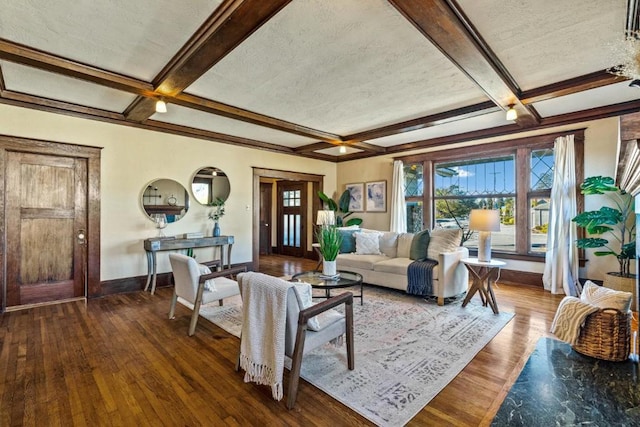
x,y
367,243
209,285
605,298
389,244
404,245
443,240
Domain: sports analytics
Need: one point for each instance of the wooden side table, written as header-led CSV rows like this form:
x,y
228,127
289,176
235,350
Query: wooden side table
x,y
484,274
316,247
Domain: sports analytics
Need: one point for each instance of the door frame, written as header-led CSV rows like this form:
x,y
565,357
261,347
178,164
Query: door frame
x,y
92,155
317,182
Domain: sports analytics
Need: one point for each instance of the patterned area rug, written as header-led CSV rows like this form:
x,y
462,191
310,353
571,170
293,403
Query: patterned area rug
x,y
407,350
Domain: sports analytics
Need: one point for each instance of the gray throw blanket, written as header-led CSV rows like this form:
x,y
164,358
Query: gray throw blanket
x,y
420,277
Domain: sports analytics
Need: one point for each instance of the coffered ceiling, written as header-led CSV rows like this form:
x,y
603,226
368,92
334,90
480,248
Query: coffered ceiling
x,y
304,77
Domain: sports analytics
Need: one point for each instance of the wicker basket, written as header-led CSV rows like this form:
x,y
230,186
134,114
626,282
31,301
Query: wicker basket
x,y
606,335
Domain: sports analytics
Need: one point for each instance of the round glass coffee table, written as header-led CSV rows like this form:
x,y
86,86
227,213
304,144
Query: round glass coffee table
x,y
347,279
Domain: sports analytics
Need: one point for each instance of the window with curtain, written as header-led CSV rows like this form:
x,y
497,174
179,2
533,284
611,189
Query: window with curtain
x,y
514,177
413,195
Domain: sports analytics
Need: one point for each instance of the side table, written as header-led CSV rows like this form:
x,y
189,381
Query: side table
x,y
484,274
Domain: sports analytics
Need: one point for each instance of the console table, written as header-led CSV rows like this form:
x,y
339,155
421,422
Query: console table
x,y
153,245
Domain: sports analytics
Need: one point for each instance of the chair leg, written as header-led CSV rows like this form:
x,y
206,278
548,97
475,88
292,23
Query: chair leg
x,y
296,362
196,309
349,325
220,302
172,310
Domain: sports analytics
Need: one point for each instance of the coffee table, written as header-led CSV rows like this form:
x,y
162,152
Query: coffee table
x,y
346,280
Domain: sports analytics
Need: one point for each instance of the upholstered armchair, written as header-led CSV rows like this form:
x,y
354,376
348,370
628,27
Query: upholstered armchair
x,y
190,285
305,327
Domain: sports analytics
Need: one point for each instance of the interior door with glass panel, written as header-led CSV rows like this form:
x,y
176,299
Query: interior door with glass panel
x,y
292,209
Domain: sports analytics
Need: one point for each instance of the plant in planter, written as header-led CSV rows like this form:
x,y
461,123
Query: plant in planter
x,y
341,208
330,240
618,221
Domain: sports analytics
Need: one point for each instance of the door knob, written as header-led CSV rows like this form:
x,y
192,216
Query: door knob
x,y
82,237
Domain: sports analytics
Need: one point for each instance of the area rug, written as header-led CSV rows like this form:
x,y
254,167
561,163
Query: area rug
x,y
560,387
406,351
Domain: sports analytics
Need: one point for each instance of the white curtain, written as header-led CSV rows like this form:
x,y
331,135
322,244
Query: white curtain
x,y
561,262
398,208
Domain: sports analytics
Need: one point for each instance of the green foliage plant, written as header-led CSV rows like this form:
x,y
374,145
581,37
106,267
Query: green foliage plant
x,y
218,212
341,209
617,222
330,240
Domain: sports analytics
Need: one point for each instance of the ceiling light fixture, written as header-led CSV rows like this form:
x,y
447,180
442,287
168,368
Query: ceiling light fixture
x,y
343,149
161,106
512,114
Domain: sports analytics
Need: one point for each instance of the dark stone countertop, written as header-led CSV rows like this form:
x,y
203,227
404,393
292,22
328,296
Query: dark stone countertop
x,y
560,387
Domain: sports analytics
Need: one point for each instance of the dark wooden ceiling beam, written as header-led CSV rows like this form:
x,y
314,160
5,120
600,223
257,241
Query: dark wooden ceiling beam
x,y
446,26
229,25
425,122
570,86
24,55
313,147
549,122
229,111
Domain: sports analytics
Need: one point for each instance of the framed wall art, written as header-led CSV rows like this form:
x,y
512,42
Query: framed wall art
x,y
376,193
356,203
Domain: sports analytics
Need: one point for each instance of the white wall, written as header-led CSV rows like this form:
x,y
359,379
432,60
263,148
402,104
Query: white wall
x,y
132,158
601,139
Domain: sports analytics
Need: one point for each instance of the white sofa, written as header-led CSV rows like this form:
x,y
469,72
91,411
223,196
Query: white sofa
x,y
389,268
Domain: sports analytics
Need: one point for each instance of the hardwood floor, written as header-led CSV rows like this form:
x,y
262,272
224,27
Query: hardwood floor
x,y
118,360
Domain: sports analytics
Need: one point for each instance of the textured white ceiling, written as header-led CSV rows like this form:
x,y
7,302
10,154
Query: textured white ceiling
x,y
474,123
131,37
19,78
340,66
200,120
546,41
616,93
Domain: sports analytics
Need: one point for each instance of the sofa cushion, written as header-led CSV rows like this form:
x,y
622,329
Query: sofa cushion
x,y
419,246
367,243
389,244
348,244
399,266
364,262
443,240
404,245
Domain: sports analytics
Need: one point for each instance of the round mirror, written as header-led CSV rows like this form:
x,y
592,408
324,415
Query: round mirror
x,y
165,197
209,184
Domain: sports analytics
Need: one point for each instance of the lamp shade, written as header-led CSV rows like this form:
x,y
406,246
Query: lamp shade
x,y
484,220
326,217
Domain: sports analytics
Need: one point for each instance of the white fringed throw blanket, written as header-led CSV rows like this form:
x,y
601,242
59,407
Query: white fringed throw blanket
x,y
264,311
569,319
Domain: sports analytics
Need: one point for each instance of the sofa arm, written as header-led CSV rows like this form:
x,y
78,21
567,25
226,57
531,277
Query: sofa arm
x,y
453,276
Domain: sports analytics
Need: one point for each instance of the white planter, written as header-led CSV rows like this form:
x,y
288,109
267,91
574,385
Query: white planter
x,y
328,267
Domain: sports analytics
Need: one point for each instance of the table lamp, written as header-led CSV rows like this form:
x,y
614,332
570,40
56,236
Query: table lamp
x,y
326,217
484,221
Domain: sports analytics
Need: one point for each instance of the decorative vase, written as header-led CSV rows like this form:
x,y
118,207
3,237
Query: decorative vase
x,y
216,230
328,267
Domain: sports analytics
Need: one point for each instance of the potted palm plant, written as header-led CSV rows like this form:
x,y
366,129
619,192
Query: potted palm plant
x,y
617,223
330,240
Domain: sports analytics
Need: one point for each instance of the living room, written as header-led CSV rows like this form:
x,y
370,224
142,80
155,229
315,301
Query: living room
x,y
43,100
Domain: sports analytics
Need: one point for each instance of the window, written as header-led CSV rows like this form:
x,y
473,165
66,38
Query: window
x,y
413,193
482,183
515,177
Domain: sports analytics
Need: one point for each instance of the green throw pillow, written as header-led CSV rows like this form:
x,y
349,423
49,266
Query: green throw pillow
x,y
348,244
419,246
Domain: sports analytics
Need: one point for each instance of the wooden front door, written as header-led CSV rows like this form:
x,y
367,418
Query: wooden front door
x,y
266,191
292,208
46,223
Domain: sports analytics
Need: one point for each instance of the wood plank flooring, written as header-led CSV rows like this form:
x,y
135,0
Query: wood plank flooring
x,y
120,361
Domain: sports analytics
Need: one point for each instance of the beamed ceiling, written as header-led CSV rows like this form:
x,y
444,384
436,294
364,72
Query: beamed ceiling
x,y
302,77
